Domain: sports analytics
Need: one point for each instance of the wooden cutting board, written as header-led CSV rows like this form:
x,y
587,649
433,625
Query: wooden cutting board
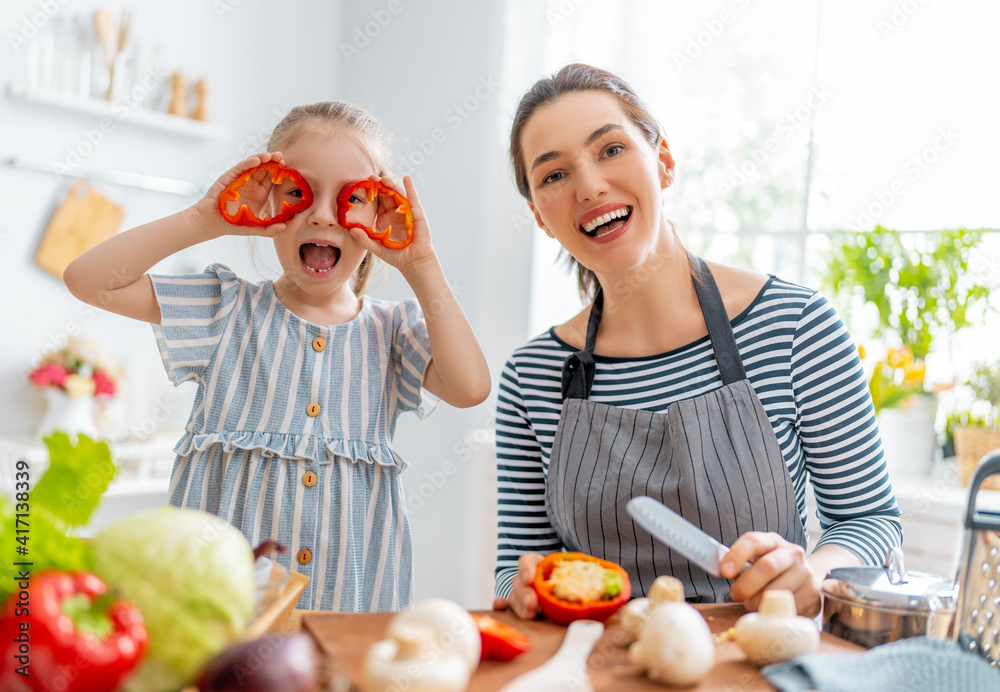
x,y
84,219
347,636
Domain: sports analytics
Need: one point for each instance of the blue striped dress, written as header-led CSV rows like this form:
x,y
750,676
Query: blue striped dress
x,y
803,366
327,486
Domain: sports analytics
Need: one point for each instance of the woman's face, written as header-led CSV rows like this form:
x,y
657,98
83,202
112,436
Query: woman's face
x,y
317,255
595,181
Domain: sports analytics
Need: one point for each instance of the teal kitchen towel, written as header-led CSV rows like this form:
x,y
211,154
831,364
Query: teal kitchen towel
x,y
917,664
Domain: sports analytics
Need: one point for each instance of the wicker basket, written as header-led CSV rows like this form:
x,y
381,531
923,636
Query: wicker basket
x,y
972,443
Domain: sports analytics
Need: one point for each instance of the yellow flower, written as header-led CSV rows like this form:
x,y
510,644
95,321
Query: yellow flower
x,y
899,357
77,385
861,351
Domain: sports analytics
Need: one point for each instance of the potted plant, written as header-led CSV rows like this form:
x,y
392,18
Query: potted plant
x,y
917,286
977,431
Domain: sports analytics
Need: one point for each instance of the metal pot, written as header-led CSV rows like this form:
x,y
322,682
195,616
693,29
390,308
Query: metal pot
x,y
876,605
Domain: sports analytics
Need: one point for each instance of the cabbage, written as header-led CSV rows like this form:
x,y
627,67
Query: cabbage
x,y
191,574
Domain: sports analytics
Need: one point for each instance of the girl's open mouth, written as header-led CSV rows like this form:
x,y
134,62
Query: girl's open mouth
x,y
607,224
318,259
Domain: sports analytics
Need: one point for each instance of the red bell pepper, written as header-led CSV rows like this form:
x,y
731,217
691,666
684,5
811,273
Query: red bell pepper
x,y
64,631
501,642
619,590
244,216
372,189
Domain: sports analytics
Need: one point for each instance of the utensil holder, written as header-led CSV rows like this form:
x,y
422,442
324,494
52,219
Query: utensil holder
x,y
977,622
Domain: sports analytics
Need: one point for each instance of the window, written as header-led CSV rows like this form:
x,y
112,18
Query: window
x,y
789,120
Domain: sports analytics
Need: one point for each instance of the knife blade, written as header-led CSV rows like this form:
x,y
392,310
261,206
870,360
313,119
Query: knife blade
x,y
672,529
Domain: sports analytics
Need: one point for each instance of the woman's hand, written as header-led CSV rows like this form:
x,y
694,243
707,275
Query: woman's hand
x,y
419,252
254,193
775,564
522,600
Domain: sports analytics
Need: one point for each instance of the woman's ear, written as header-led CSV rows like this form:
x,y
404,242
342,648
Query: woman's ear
x,y
666,164
538,220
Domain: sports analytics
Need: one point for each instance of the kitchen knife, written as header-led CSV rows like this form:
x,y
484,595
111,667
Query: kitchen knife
x,y
671,528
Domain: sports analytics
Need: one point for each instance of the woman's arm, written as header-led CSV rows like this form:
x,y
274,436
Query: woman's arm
x,y
523,527
112,275
839,437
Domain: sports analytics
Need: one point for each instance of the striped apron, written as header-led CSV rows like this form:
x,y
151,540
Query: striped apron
x,y
714,459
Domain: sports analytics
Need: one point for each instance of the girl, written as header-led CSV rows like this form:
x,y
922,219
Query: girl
x,y
714,389
300,381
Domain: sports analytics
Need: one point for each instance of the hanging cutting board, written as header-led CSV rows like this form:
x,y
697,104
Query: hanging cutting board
x,y
84,219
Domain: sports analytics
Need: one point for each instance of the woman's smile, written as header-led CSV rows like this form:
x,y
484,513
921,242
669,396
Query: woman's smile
x,y
606,223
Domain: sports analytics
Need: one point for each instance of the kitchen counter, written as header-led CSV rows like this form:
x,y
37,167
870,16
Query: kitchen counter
x,y
345,637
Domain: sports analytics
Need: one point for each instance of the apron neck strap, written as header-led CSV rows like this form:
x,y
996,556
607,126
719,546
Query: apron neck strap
x,y
578,369
717,320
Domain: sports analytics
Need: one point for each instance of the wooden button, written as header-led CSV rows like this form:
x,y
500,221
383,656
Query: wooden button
x,y
319,343
309,479
313,409
304,556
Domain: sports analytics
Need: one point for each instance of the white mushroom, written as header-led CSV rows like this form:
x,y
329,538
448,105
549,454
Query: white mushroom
x,y
451,627
675,646
776,632
633,616
409,661
664,589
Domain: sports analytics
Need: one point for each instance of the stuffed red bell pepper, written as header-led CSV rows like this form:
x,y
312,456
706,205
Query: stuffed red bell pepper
x,y
576,586
64,632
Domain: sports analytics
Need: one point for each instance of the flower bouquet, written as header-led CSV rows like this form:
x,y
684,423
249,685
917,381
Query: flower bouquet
x,y
70,379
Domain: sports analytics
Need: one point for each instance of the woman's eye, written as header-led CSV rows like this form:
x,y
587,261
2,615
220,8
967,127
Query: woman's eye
x,y
614,150
553,177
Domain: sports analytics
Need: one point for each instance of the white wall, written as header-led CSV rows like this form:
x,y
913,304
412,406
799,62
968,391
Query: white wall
x,y
262,59
431,75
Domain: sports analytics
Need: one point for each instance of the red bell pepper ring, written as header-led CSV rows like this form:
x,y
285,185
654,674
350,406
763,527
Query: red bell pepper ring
x,y
372,189
564,611
68,634
501,642
245,216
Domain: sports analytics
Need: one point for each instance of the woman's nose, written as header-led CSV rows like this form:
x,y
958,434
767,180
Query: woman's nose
x,y
590,184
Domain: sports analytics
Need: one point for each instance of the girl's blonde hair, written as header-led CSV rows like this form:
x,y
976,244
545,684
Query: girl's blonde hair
x,y
357,122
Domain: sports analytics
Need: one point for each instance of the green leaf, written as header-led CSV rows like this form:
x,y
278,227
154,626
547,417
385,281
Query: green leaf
x,y
64,498
76,478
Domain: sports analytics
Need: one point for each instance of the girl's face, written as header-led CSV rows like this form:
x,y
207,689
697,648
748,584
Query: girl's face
x,y
317,255
595,181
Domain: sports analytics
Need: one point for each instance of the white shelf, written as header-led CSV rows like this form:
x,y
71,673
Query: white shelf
x,y
119,112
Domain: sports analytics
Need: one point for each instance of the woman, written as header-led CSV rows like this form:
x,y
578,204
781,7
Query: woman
x,y
714,389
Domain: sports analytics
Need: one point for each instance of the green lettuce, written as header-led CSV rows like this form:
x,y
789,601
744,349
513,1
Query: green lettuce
x,y
191,574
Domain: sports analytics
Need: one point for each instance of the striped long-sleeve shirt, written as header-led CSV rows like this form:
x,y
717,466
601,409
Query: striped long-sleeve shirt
x,y
802,364
290,435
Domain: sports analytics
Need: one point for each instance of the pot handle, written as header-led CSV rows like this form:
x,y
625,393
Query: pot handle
x,y
989,465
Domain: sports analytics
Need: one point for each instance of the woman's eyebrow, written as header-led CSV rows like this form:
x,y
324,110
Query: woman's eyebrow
x,y
594,136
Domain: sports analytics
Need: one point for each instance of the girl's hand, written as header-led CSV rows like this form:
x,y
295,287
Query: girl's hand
x,y
776,564
254,193
419,251
522,600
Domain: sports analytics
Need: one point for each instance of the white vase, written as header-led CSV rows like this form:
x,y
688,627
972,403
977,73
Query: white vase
x,y
908,437
73,415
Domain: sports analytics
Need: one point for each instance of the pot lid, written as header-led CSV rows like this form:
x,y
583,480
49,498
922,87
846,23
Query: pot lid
x,y
891,585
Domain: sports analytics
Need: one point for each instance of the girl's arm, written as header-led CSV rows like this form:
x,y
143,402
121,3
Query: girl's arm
x,y
112,275
457,372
